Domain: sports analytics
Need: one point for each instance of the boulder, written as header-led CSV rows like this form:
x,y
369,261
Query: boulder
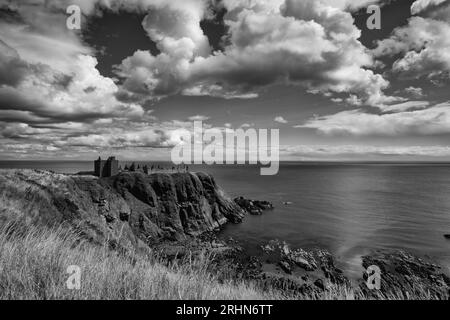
x,y
285,266
319,284
124,216
303,263
253,207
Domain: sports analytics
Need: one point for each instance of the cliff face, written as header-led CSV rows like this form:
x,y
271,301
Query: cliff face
x,y
174,205
126,210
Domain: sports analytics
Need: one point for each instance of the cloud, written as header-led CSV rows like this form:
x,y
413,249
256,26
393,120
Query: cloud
x,y
280,119
361,151
405,106
46,93
72,137
52,95
47,73
318,49
424,44
414,92
431,121
12,68
54,100
39,36
199,118
422,5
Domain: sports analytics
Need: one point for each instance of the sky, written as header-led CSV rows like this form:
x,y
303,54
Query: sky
x,y
139,70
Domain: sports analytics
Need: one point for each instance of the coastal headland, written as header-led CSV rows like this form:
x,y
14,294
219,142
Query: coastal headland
x,y
175,217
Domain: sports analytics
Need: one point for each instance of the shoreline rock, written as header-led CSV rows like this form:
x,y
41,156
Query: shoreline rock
x,y
253,207
403,273
314,272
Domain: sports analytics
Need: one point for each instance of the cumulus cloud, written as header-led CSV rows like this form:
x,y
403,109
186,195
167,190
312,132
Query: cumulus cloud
x,y
46,93
424,43
52,95
431,121
414,92
280,119
318,49
47,73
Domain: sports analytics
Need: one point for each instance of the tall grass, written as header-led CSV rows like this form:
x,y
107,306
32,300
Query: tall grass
x,y
33,265
34,262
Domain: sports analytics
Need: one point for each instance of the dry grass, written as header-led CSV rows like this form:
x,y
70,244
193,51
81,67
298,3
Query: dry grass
x,y
336,292
34,261
33,265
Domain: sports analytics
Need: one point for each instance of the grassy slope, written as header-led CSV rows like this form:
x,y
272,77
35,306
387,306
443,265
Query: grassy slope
x,y
33,265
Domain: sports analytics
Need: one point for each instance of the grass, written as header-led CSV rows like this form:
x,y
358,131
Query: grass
x,y
33,265
34,262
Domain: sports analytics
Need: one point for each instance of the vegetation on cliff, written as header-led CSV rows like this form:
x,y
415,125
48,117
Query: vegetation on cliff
x,y
34,262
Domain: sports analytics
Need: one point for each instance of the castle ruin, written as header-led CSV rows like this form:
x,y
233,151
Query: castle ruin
x,y
106,168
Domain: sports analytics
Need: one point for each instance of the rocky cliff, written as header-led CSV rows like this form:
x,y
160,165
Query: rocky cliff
x,y
129,209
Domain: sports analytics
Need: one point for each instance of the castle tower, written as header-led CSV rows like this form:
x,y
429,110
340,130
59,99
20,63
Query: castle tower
x,y
106,168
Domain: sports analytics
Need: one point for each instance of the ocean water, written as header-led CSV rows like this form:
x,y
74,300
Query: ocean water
x,y
347,208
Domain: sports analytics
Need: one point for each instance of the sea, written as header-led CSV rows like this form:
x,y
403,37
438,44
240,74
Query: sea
x,y
349,209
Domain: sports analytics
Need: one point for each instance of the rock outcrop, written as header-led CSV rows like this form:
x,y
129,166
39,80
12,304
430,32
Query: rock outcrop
x,y
127,210
314,272
402,274
174,205
291,270
253,207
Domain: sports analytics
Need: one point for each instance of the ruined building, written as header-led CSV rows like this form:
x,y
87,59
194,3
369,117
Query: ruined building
x,y
106,168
